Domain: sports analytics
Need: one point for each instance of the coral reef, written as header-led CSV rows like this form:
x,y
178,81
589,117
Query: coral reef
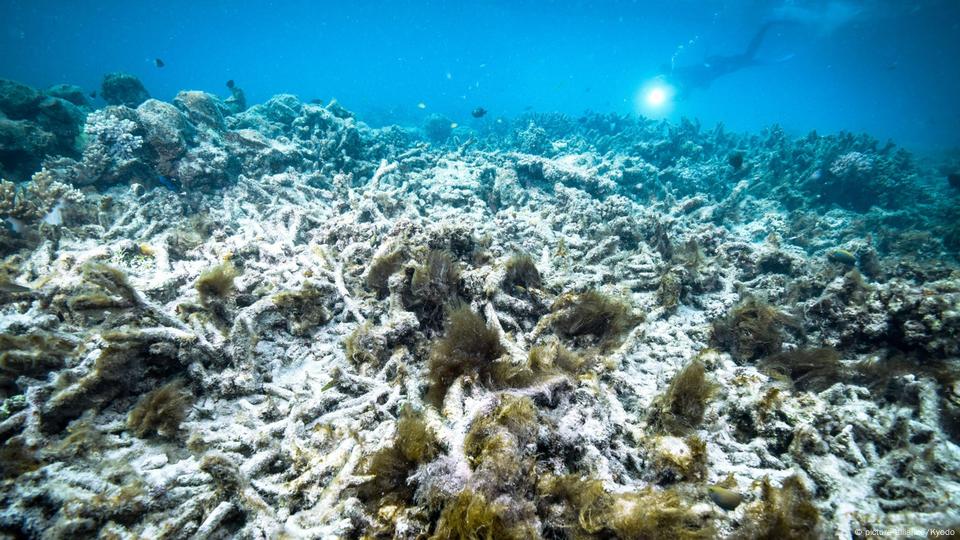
x,y
35,124
275,321
123,89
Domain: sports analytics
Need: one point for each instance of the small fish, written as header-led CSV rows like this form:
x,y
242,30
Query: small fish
x,y
158,62
15,225
93,94
316,101
724,498
479,112
421,105
842,256
454,125
8,286
954,180
735,160
230,84
166,182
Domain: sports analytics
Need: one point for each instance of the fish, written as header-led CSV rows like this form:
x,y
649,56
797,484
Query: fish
x,y
421,105
93,94
13,288
158,62
166,182
842,256
55,215
954,180
15,225
454,125
727,499
479,112
316,101
735,160
230,84
10,287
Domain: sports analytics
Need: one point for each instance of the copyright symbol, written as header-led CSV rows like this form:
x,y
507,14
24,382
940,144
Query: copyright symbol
x,y
858,532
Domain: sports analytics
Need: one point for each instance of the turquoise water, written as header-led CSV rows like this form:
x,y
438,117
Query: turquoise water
x,y
884,67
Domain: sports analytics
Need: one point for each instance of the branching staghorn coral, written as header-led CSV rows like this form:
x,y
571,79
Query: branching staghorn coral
x,y
39,199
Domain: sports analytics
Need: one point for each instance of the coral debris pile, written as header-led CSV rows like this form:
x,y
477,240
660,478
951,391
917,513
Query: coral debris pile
x,y
283,322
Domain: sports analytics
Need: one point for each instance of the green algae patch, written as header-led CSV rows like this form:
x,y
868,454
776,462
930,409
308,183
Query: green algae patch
x,y
390,467
650,513
161,411
753,329
786,512
471,515
521,271
381,268
216,282
680,408
469,346
592,314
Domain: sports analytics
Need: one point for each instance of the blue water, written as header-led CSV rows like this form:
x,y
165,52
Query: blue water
x,y
887,68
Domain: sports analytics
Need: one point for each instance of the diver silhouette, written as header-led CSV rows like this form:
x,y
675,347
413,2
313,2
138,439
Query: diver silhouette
x,y
688,78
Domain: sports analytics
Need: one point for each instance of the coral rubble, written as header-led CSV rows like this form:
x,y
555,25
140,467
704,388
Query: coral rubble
x,y
220,321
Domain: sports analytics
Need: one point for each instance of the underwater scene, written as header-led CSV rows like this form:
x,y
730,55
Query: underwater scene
x,y
483,270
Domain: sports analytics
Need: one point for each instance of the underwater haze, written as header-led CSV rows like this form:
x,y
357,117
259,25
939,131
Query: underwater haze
x,y
884,67
479,271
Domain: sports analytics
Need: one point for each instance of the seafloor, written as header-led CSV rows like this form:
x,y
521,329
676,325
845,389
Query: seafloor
x,y
279,322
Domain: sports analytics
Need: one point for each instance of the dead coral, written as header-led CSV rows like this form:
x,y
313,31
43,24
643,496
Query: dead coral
x,y
671,289
189,234
303,309
111,280
676,459
753,329
127,355
365,346
591,314
31,202
33,354
160,411
17,457
83,438
107,290
469,346
680,408
501,452
521,271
